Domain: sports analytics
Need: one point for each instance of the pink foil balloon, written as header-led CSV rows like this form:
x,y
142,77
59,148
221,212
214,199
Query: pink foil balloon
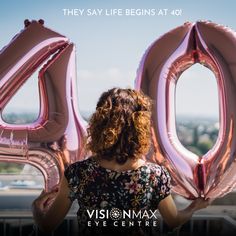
x,y
55,139
214,46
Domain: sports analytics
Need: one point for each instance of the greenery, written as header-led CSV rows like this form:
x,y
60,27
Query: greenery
x,y
7,167
199,135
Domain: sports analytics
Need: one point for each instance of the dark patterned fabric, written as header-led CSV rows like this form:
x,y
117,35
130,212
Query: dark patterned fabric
x,y
95,187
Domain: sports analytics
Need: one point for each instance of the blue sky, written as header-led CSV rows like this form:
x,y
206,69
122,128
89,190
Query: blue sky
x,y
109,48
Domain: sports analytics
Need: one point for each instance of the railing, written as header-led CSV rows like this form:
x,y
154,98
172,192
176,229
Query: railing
x,y
21,224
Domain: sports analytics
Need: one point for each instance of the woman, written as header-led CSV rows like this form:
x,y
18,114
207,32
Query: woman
x,y
116,180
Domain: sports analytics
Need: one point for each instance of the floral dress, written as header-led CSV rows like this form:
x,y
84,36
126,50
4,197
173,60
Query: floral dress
x,y
116,197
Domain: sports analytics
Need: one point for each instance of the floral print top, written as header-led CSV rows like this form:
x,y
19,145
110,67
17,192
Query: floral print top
x,y
96,187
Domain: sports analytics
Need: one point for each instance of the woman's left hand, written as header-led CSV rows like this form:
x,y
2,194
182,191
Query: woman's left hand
x,y
50,208
41,204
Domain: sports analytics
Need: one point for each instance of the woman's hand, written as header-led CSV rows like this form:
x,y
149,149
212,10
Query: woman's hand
x,y
175,218
41,204
50,208
200,203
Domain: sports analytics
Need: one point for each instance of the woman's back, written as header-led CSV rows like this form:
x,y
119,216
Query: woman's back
x,y
127,199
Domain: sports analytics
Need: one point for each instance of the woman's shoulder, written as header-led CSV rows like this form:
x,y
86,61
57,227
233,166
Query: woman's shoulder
x,y
154,166
160,181
157,169
79,165
82,162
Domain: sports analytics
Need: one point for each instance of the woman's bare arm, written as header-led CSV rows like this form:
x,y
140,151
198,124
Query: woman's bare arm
x,y
175,218
47,216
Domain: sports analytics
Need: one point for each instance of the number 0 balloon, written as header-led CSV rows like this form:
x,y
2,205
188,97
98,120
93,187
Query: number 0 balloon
x,y
54,140
214,46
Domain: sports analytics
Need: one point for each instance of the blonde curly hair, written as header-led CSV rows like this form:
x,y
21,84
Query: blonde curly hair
x,y
120,127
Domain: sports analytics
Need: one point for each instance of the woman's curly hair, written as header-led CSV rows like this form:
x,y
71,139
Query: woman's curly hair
x,y
120,127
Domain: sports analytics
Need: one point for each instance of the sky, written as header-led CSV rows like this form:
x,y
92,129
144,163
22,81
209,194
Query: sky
x,y
109,48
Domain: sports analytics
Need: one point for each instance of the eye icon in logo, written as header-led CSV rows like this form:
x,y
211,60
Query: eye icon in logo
x,y
115,214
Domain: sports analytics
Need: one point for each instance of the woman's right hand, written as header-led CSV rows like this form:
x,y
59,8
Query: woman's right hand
x,y
200,203
175,218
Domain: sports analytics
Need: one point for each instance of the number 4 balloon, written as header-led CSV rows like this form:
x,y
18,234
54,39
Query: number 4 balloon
x,y
55,139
